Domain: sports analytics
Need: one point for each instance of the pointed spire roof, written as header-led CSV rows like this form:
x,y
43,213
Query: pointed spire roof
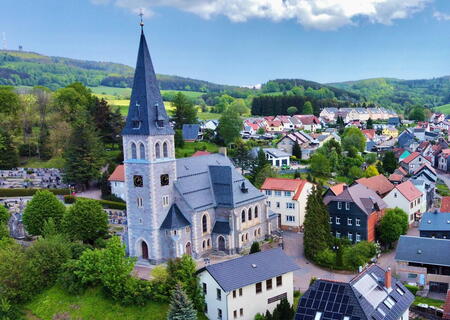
x,y
146,115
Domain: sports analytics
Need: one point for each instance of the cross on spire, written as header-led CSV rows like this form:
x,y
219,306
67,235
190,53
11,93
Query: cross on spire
x,y
141,14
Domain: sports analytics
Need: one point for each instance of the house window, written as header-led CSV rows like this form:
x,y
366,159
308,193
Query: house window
x,y
339,205
241,312
338,220
219,294
347,206
235,314
290,218
206,308
331,220
204,244
250,214
268,203
350,236
290,205
411,205
204,224
205,289
389,302
243,216
269,284
268,192
358,222
349,221
277,193
259,287
240,292
141,151
287,193
256,212
219,314
279,281
278,204
358,237
234,293
338,234
165,201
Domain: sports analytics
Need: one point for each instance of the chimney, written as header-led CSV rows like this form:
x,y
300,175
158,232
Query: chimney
x,y
223,150
388,278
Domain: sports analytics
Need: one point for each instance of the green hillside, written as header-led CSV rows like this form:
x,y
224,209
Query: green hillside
x,y
443,109
397,93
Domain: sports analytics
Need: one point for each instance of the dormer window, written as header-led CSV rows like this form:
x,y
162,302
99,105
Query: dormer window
x,y
136,124
160,123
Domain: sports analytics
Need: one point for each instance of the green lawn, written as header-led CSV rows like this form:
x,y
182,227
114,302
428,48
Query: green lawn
x,y
444,108
56,162
104,92
191,147
92,305
428,301
442,189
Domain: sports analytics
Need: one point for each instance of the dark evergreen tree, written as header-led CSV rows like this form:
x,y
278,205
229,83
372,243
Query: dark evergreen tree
x,y
255,247
181,307
296,150
242,156
317,227
44,147
283,311
83,155
369,124
9,158
258,164
185,111
108,122
179,141
389,162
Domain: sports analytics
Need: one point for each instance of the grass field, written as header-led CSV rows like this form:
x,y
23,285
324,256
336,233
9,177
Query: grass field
x,y
56,162
428,301
54,303
443,109
191,147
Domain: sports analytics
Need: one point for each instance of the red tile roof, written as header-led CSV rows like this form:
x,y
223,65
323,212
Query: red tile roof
x,y
307,119
445,153
409,190
369,133
118,174
338,188
200,153
274,123
403,171
445,204
411,157
395,177
380,184
285,184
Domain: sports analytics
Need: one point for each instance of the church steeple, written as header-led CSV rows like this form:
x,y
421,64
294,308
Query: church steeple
x,y
146,115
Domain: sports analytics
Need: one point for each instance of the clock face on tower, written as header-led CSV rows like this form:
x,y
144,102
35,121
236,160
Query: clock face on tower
x,y
138,181
164,179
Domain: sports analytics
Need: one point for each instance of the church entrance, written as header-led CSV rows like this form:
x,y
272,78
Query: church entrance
x,y
144,249
221,242
188,249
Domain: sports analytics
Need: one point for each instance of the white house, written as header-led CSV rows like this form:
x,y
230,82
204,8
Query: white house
x,y
277,158
414,161
407,197
117,182
245,286
210,124
287,198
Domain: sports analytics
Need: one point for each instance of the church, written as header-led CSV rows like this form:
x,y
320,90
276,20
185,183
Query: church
x,y
196,205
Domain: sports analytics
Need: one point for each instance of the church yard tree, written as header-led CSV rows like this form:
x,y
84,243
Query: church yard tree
x,y
185,111
230,126
392,225
389,162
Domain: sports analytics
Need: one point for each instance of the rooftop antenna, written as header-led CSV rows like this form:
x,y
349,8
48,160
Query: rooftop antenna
x,y
4,46
141,14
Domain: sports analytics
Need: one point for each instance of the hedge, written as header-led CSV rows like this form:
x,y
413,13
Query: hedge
x,y
411,288
110,204
29,192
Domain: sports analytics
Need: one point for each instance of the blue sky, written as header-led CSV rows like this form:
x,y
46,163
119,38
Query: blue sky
x,y
244,42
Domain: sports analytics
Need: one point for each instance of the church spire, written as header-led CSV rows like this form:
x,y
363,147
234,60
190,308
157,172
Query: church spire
x,y
146,115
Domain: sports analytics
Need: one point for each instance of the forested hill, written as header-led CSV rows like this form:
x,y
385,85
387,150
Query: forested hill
x,y
19,68
397,93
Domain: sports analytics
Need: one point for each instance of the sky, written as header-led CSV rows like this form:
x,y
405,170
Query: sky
x,y
243,42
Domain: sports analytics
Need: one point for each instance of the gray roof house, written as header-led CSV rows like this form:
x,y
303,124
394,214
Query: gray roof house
x,y
372,295
435,224
191,132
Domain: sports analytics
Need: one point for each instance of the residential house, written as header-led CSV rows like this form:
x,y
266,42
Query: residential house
x,y
444,160
395,178
276,157
390,131
424,147
380,184
422,261
374,294
435,224
414,161
426,173
431,136
437,117
117,182
405,139
287,198
369,133
394,121
427,190
354,213
329,114
274,126
401,153
286,122
308,122
210,125
419,133
406,197
192,132
287,143
243,287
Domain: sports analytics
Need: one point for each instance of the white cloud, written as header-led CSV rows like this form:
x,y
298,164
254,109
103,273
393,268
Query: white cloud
x,y
316,14
441,16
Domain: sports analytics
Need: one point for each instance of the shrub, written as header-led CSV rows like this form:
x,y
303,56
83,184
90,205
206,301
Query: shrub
x,y
411,288
326,258
255,247
110,204
30,192
113,198
69,199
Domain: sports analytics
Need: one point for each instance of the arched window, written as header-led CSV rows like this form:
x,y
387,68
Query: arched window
x,y
157,151
204,223
256,212
133,151
259,231
209,243
250,214
141,151
204,244
242,238
165,151
243,216
246,236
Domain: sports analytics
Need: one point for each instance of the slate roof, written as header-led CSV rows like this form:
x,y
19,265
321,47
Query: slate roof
x,y
423,250
190,131
118,174
174,219
380,184
202,183
146,104
435,221
221,227
250,269
359,299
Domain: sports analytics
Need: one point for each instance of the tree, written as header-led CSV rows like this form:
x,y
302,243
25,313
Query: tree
x,y
355,172
389,162
185,111
242,156
283,311
255,247
43,206
107,122
13,274
371,171
258,164
320,165
4,215
181,307
369,124
417,113
393,224
179,141
292,110
353,137
83,155
261,131
9,158
239,107
265,172
9,100
317,227
308,108
230,126
86,221
296,150
44,147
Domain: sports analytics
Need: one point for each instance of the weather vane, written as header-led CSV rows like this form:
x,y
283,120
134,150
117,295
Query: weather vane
x,y
141,14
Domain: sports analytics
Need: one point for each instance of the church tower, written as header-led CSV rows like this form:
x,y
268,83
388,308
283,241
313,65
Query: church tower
x,y
149,159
